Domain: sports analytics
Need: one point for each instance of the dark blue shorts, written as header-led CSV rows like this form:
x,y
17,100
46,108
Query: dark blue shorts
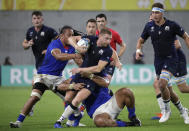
x,y
167,63
89,84
110,70
182,68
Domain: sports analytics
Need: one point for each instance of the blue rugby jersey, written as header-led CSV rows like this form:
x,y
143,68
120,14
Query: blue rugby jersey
x,y
50,65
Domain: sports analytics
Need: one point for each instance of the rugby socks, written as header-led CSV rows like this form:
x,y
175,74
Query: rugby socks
x,y
121,124
179,106
167,105
68,111
21,118
160,102
131,112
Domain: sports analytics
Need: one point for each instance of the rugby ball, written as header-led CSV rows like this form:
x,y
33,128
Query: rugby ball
x,y
84,42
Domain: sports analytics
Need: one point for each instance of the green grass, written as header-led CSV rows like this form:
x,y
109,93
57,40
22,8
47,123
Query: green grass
x,y
50,107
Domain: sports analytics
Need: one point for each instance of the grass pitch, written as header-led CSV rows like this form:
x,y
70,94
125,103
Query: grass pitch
x,y
50,107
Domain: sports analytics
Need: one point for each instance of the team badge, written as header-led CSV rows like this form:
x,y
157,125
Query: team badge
x,y
152,29
167,28
100,51
31,33
42,33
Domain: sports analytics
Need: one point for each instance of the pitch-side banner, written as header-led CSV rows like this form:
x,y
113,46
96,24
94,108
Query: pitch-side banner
x,y
130,75
90,4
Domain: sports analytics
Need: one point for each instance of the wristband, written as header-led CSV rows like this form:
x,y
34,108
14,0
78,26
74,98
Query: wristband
x,y
138,51
71,86
91,76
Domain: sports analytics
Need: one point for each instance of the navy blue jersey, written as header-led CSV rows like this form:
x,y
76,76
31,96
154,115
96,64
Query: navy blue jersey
x,y
163,37
50,65
99,97
95,53
182,64
41,41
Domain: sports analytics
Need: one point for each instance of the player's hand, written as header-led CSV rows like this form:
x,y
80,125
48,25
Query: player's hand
x,y
30,43
139,55
119,65
75,71
78,56
81,49
112,63
78,86
44,52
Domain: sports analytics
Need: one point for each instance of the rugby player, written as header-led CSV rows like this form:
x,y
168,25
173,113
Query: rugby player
x,y
163,33
116,39
50,72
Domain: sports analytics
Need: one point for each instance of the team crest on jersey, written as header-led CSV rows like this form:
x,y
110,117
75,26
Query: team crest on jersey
x,y
152,29
31,33
100,51
167,28
42,33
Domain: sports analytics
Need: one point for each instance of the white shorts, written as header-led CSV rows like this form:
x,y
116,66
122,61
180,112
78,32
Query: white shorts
x,y
110,107
50,81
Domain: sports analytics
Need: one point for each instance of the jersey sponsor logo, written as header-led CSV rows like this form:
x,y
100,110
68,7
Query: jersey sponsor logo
x,y
167,28
159,32
42,33
101,52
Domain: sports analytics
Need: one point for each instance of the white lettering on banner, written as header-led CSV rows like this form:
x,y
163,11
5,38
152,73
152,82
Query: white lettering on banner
x,y
28,81
145,72
131,78
15,75
175,2
120,76
159,1
143,3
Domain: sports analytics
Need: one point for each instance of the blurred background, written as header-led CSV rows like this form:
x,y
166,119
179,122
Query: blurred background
x,y
128,17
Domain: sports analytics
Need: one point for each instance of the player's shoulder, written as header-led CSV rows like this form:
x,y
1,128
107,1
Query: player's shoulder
x,y
47,28
171,22
31,29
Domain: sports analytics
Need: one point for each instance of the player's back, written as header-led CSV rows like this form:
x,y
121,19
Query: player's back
x,y
52,66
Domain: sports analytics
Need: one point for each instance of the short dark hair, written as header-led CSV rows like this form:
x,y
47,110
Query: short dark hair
x,y
101,16
37,13
64,28
106,31
91,20
159,5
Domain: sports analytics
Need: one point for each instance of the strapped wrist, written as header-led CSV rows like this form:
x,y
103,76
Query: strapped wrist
x,y
91,76
71,86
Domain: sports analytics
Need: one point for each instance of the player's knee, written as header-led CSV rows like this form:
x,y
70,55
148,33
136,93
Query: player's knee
x,y
76,102
99,121
35,96
126,91
162,85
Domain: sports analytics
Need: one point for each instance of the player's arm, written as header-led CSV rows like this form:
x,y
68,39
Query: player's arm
x,y
66,86
73,42
93,69
139,46
27,44
186,38
122,49
177,44
115,57
64,56
97,79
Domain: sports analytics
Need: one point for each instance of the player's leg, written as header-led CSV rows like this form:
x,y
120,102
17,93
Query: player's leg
x,y
73,107
181,84
123,97
158,95
175,100
165,76
36,94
